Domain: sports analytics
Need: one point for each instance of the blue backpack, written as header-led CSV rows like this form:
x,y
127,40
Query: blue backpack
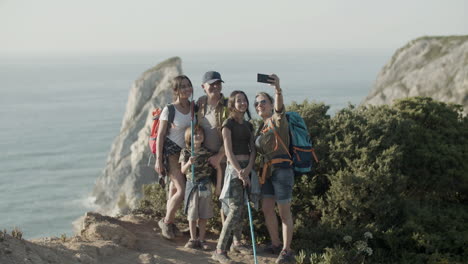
x,y
301,150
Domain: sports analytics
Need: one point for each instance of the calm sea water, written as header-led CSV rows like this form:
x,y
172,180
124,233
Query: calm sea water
x,y
60,114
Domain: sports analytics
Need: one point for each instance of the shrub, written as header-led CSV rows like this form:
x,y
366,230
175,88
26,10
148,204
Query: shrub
x,y
153,202
399,172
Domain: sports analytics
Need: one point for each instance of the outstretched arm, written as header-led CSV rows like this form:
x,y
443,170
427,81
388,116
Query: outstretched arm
x,y
278,93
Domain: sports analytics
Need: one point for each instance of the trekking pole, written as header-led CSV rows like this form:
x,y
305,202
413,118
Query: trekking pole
x,y
251,226
192,144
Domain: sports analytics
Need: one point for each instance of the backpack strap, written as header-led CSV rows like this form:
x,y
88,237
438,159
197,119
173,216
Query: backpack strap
x,y
222,115
200,108
270,126
315,156
171,116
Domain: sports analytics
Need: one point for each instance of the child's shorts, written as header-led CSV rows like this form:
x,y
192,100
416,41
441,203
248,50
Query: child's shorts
x,y
200,204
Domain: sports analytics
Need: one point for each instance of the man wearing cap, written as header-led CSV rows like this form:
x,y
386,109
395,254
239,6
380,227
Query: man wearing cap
x,y
212,111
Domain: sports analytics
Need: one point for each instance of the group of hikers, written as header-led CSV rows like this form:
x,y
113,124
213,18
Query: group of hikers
x,y
222,148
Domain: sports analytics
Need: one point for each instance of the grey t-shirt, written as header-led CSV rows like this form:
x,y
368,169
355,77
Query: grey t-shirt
x,y
213,139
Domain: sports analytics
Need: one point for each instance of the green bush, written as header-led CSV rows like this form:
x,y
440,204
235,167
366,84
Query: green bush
x,y
153,203
398,172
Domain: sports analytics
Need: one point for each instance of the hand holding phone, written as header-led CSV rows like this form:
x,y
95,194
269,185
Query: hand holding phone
x,y
264,78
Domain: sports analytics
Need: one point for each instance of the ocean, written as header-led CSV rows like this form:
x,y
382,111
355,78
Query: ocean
x,y
59,115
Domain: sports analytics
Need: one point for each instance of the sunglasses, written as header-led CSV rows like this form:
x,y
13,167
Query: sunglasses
x,y
262,102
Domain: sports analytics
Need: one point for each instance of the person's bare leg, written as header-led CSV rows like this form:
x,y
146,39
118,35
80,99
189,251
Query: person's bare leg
x,y
271,221
178,179
287,224
193,229
202,228
172,190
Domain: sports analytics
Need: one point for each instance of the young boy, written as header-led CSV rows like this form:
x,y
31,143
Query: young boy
x,y
198,202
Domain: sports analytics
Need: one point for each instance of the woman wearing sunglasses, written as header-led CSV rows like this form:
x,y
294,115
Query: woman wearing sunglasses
x,y
277,176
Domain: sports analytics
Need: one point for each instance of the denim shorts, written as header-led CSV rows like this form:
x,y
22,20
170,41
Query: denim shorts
x,y
279,185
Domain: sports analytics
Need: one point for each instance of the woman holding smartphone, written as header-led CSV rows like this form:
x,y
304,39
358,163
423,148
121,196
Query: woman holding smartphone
x,y
276,172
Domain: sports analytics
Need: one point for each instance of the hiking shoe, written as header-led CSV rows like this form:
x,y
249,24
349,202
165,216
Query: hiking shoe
x,y
285,257
176,231
166,229
221,258
192,244
241,248
204,245
275,250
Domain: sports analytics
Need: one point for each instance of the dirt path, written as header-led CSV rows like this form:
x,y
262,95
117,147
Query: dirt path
x,y
106,240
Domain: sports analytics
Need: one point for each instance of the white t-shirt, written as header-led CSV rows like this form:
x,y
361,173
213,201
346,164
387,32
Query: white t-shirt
x,y
177,128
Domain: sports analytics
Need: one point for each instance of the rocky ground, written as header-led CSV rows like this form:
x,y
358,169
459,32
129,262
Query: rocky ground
x,y
103,239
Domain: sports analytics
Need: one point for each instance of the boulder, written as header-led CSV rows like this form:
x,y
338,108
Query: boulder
x,y
99,227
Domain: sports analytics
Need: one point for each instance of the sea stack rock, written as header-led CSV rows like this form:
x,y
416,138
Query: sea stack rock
x,y
120,186
436,67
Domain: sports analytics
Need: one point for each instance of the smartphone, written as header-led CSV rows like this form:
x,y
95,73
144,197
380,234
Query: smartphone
x,y
263,78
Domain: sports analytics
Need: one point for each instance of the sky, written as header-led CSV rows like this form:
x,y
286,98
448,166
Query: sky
x,y
101,26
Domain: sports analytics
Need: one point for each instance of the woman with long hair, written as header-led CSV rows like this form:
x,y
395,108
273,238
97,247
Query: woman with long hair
x,y
240,152
170,142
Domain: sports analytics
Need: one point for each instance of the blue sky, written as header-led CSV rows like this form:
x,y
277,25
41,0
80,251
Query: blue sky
x,y
65,26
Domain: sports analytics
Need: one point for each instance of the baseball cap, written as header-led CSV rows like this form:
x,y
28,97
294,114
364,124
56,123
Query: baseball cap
x,y
211,77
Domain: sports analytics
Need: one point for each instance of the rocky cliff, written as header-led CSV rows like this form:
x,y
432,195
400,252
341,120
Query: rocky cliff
x,y
119,187
436,67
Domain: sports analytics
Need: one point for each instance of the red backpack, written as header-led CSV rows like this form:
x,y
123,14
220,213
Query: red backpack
x,y
154,128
